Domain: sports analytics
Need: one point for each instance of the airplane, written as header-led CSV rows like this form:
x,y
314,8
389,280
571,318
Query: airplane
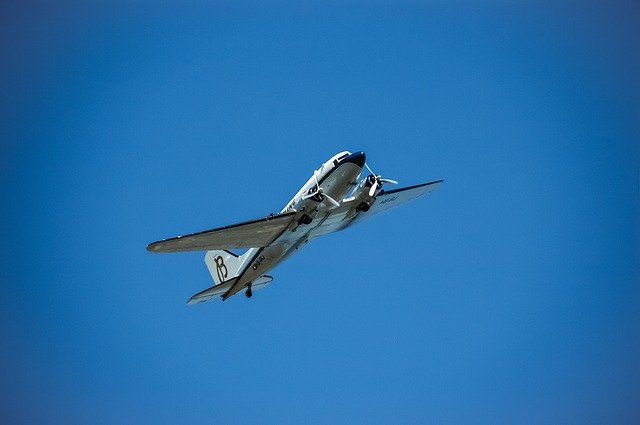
x,y
331,200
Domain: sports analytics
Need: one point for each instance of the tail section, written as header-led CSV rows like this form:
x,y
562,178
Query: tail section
x,y
223,265
207,294
225,268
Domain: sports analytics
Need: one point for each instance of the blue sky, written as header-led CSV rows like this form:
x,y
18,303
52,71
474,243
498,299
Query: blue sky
x,y
510,295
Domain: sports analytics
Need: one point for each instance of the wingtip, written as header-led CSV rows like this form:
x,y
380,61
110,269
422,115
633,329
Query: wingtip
x,y
157,247
435,184
196,300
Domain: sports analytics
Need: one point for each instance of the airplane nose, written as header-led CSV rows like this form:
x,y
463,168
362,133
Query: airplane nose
x,y
357,158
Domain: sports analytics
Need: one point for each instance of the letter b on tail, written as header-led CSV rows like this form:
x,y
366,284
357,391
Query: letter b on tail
x,y
223,265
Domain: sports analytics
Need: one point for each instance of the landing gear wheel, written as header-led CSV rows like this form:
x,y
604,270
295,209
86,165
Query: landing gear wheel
x,y
249,292
363,207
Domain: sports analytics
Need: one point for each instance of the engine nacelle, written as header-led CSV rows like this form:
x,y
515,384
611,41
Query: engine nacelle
x,y
361,193
363,189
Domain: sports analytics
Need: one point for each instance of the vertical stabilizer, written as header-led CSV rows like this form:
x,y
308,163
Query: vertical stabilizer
x,y
223,265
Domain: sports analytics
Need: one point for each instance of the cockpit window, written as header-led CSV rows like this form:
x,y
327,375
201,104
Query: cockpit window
x,y
337,160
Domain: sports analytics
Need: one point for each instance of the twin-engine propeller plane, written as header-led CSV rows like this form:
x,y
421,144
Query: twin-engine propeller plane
x,y
331,200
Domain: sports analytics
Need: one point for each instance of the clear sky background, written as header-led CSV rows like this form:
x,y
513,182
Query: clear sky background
x,y
510,295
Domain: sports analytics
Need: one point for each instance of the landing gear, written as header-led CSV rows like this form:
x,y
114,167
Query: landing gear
x,y
363,207
305,219
249,292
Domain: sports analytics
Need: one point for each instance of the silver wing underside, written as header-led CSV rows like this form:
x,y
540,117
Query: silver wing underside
x,y
250,234
392,198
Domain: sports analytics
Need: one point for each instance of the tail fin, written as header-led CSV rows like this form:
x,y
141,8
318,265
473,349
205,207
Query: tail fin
x,y
223,265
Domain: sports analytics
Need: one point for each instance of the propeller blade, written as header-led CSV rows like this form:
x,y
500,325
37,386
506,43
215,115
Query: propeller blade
x,y
388,181
318,191
374,186
379,180
369,168
332,201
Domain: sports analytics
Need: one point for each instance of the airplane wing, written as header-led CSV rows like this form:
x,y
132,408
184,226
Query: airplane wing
x,y
344,216
250,234
392,198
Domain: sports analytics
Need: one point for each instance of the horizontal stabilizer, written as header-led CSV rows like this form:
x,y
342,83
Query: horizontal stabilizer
x,y
250,234
261,282
224,287
207,294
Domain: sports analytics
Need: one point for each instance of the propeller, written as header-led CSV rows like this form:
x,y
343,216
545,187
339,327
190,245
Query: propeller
x,y
377,181
320,195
